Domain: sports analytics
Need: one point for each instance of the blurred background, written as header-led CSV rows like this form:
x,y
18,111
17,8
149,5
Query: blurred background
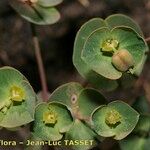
x,y
56,42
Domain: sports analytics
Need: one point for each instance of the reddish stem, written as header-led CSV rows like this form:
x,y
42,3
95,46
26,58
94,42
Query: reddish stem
x,y
147,39
39,63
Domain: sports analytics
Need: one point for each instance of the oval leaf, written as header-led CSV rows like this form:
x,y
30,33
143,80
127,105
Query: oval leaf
x,y
129,142
36,13
86,135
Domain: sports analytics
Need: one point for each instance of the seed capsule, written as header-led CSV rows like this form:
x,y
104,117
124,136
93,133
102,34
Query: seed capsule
x,y
122,60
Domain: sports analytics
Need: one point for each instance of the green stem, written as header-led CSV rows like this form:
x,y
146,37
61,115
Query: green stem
x,y
39,63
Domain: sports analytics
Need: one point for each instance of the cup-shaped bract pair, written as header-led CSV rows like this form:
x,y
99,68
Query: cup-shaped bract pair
x,y
52,120
105,50
116,120
17,99
41,12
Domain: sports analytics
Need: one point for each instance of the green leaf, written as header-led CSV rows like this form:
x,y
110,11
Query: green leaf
x,y
67,94
34,138
141,105
143,126
101,82
81,66
127,80
49,3
36,13
88,101
139,137
140,66
135,143
80,133
116,120
17,99
52,131
122,20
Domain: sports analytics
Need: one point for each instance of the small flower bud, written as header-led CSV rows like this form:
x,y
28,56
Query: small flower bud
x,y
122,60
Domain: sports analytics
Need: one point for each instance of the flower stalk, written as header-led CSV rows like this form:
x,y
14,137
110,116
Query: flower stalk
x,y
39,63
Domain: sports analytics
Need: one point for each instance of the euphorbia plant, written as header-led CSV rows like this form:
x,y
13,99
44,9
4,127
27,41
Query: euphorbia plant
x,y
104,52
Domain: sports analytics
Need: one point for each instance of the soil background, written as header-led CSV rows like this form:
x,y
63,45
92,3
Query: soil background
x,y
56,42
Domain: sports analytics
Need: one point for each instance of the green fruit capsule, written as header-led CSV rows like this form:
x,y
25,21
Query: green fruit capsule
x,y
122,60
